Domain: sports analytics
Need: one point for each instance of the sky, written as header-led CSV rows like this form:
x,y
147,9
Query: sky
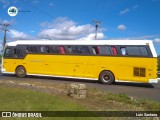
x,y
75,19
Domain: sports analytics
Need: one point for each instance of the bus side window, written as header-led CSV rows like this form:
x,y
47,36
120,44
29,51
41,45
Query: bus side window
x,y
32,49
93,50
62,50
8,53
54,49
143,51
18,53
105,50
96,50
83,49
123,51
114,50
133,51
73,50
69,48
42,49
47,49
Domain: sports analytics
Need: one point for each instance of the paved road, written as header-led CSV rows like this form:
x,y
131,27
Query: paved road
x,y
145,91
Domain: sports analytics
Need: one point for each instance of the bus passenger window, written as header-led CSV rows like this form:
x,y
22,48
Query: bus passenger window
x,y
83,49
133,51
18,53
105,50
114,50
62,50
32,49
93,50
54,49
143,51
47,49
42,49
96,50
8,52
123,51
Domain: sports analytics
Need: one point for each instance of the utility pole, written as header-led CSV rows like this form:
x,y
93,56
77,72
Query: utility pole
x,y
5,29
97,23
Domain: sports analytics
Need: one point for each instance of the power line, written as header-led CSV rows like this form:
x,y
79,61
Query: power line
x,y
36,8
97,23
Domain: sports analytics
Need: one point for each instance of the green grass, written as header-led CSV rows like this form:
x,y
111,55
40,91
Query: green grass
x,y
146,104
13,98
19,99
122,102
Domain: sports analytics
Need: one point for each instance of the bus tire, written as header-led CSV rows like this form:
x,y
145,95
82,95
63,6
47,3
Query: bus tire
x,y
106,77
21,72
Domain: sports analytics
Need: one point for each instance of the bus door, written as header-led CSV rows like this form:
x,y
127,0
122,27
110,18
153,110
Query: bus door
x,y
8,59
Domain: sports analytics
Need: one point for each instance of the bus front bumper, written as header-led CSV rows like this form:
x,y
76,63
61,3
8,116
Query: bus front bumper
x,y
154,80
2,69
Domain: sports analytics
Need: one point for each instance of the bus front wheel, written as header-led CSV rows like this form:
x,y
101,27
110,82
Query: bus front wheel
x,y
106,77
21,72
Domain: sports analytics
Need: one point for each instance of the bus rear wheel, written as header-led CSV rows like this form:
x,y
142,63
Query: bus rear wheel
x,y
21,72
106,77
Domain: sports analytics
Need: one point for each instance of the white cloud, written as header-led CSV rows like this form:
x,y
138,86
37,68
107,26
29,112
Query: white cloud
x,y
14,34
124,11
91,36
121,27
64,28
157,40
7,21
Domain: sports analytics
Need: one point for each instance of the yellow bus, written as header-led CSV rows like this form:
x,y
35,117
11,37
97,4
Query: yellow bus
x,y
104,60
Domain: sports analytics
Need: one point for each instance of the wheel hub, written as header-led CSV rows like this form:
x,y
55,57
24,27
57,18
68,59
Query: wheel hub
x,y
106,77
21,72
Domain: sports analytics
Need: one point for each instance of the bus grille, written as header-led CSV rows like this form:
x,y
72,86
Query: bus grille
x,y
139,72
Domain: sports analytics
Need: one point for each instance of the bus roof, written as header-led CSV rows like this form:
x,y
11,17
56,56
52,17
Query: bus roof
x,y
79,42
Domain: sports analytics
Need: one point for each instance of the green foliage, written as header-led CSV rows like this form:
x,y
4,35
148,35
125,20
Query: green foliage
x,y
123,98
119,97
19,99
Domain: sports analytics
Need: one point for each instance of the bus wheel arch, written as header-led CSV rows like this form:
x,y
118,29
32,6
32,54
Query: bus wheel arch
x,y
20,71
106,77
